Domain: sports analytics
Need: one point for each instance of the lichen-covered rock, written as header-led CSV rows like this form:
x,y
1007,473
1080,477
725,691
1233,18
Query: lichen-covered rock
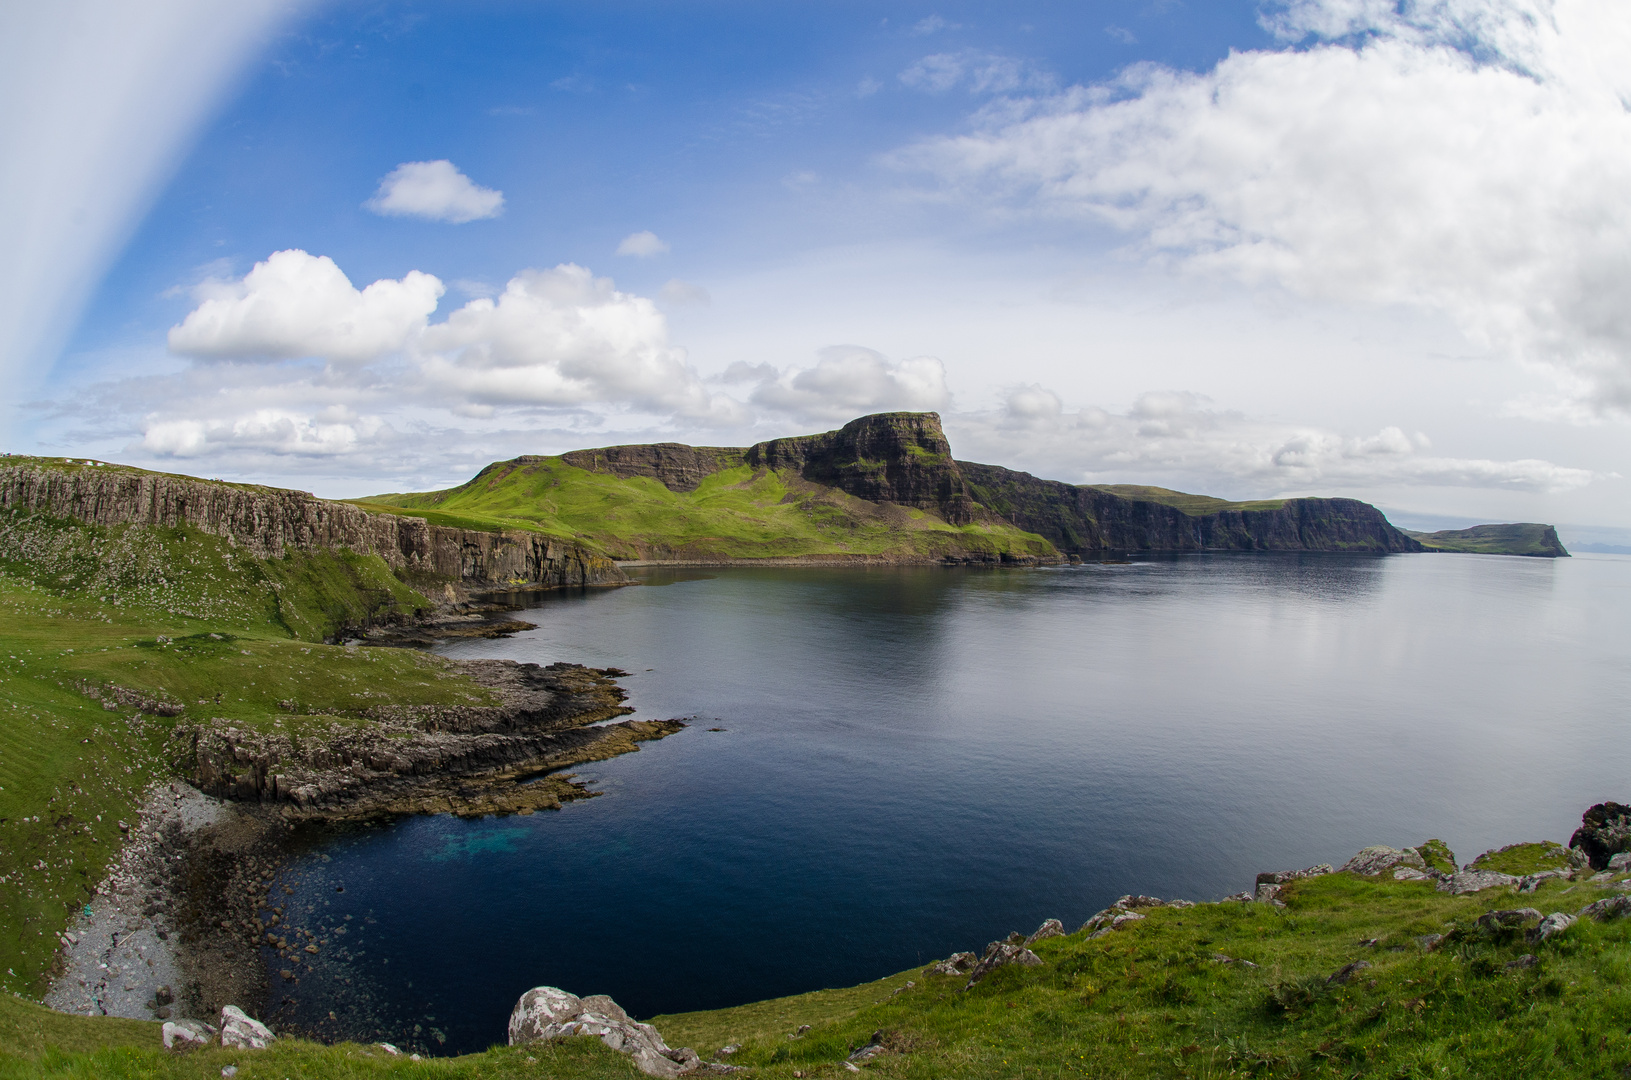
x,y
1605,831
1550,926
955,964
1050,928
241,1031
1001,954
1612,907
1376,860
1471,881
1509,919
547,1012
186,1034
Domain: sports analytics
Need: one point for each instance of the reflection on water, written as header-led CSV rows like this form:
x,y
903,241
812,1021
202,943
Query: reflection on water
x,y
917,761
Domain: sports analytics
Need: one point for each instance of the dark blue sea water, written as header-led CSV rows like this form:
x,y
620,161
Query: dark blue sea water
x,y
917,761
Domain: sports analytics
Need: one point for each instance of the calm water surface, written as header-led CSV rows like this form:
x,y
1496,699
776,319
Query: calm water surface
x,y
917,761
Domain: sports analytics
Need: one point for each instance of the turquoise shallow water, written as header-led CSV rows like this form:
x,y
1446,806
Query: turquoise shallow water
x,y
917,761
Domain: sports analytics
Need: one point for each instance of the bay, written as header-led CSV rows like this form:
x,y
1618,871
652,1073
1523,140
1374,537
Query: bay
x,y
916,761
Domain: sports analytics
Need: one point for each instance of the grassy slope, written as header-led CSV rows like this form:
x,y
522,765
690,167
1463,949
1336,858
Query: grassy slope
x,y
71,770
738,513
1193,505
1524,538
1149,1001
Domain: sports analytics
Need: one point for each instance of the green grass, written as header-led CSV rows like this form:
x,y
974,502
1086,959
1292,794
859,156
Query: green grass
x,y
1193,505
736,513
168,614
1149,1001
1523,538
1520,859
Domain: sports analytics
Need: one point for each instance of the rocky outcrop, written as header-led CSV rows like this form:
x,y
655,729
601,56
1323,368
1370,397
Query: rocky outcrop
x,y
1091,523
268,521
1605,831
402,759
674,465
545,1013
900,458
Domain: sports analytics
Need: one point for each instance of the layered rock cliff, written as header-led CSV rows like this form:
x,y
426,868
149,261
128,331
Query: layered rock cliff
x,y
267,521
1088,521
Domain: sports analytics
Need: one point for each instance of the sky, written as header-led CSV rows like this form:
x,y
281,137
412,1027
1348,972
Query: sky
x,y
1332,247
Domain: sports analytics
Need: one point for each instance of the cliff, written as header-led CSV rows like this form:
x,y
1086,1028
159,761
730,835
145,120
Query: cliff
x,y
901,458
1091,521
268,521
1521,538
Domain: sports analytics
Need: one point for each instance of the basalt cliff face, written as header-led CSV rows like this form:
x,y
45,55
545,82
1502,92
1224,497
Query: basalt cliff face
x,y
901,458
266,521
1088,522
905,459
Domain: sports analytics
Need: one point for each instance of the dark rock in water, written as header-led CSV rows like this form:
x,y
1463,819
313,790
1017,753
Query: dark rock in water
x,y
1605,831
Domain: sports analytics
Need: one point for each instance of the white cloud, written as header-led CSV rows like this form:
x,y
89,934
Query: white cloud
x,y
978,72
933,24
642,245
1466,156
564,338
297,305
848,381
1178,438
331,432
435,191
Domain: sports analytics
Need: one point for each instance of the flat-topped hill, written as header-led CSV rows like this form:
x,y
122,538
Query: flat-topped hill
x,y
1522,538
881,487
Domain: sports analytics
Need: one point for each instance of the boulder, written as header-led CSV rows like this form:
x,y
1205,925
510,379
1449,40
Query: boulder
x,y
1343,974
186,1034
955,964
1410,873
1530,882
1119,921
1620,863
1050,928
1508,919
1001,954
1613,907
1376,860
1280,877
1550,926
241,1031
546,1012
1604,832
1471,881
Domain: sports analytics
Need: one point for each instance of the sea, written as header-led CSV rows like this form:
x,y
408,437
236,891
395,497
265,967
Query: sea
x,y
886,765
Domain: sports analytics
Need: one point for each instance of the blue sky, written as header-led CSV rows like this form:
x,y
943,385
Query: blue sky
x,y
1324,246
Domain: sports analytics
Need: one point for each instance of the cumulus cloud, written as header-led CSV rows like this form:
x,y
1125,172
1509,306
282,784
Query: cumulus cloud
x,y
1471,157
329,432
561,338
299,305
849,380
643,245
1179,438
977,72
435,191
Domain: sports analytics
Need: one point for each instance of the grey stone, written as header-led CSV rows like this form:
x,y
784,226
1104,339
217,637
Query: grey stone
x,y
1001,954
186,1034
1050,928
547,1012
1612,907
1471,881
1620,863
955,964
241,1031
1410,873
1375,860
1280,877
1509,919
1551,926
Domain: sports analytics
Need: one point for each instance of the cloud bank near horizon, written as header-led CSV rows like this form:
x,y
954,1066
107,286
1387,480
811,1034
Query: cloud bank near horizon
x,y
293,363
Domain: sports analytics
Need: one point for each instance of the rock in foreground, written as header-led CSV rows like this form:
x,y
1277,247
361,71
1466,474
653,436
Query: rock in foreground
x,y
546,1012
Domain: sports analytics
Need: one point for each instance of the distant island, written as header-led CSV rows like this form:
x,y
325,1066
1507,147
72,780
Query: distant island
x,y
1523,538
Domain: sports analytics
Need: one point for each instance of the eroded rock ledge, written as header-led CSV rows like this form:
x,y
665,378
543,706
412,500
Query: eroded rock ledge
x,y
466,760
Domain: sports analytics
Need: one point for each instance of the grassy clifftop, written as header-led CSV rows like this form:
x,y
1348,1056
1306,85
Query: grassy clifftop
x,y
738,512
1354,976
1523,538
